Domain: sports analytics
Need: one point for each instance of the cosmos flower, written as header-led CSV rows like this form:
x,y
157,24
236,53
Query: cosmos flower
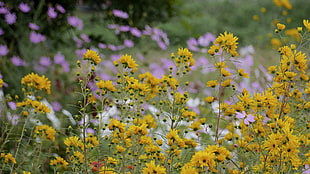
x,y
248,118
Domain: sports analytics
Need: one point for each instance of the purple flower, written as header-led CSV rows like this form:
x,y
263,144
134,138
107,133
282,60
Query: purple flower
x,y
60,8
248,118
45,61
4,10
120,14
1,32
78,42
135,32
85,38
79,52
124,28
112,47
306,170
51,12
56,106
17,61
10,18
14,119
102,45
33,26
59,58
128,43
12,105
65,66
75,22
36,37
24,7
3,50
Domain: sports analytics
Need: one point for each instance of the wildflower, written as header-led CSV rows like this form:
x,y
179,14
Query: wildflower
x,y
36,37
45,131
128,62
306,24
120,14
1,83
152,168
248,118
226,83
92,56
120,149
106,85
73,142
212,83
75,22
59,162
17,61
187,168
3,50
7,157
24,7
60,8
51,12
280,26
77,157
242,73
10,18
36,81
225,73
228,42
203,159
45,61
209,99
195,126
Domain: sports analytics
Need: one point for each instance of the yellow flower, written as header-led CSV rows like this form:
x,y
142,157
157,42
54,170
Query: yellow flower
x,y
226,83
209,99
212,83
306,24
1,83
187,168
24,172
263,10
8,157
36,81
106,85
36,105
203,159
255,17
152,168
59,162
73,142
242,73
225,73
45,131
195,126
128,62
120,149
280,26
228,42
92,56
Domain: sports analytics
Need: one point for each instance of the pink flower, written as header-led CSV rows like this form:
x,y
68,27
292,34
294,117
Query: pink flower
x,y
248,118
